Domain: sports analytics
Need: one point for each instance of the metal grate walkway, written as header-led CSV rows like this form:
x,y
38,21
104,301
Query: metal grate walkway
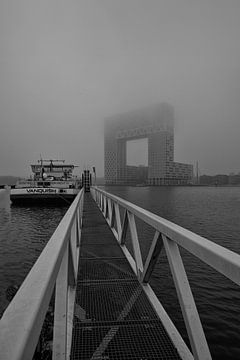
x,y
113,318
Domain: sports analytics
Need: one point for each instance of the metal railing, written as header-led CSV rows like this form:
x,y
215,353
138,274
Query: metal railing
x,y
57,266
169,236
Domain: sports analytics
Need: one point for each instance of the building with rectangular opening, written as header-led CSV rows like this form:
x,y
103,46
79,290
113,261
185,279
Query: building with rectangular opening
x,y
156,123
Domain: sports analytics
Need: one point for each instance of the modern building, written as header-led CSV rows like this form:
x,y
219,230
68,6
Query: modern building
x,y
136,175
156,123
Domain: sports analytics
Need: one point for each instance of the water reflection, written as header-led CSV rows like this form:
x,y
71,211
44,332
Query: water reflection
x,y
5,199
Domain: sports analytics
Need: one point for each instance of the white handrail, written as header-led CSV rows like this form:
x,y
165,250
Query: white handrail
x,y
21,323
221,259
169,236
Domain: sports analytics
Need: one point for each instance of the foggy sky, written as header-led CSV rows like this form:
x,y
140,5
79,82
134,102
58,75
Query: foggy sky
x,y
65,65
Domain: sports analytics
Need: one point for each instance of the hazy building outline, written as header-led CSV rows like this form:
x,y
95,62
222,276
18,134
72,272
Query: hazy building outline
x,y
156,123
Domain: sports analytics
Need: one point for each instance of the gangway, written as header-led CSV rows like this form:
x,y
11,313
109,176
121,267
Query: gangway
x,y
104,305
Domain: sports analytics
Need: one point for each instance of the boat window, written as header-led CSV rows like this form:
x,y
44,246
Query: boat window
x,y
43,183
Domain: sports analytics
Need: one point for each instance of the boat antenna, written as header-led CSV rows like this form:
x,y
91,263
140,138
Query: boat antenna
x,y
41,160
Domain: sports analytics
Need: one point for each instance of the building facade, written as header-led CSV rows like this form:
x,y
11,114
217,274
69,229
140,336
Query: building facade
x,y
156,123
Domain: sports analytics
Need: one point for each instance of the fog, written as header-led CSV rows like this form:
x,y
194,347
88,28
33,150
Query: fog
x,y
66,65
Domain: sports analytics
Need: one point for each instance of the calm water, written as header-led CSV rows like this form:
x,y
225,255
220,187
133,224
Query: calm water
x,y
24,232
212,212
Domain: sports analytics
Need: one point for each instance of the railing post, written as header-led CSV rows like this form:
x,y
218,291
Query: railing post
x,y
135,243
124,228
73,245
81,209
106,207
102,203
60,312
78,222
109,203
152,257
190,314
113,216
118,220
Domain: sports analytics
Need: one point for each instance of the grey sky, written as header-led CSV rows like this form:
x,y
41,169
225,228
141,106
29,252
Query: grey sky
x,y
65,65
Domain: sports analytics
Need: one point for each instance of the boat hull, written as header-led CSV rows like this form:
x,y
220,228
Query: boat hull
x,y
35,196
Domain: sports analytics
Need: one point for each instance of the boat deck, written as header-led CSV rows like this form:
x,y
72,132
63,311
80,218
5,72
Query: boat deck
x,y
113,318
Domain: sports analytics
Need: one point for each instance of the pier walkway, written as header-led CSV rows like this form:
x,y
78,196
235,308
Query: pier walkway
x,y
113,318
93,272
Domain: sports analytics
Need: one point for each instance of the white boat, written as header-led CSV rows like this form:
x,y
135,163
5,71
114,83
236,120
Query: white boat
x,y
52,181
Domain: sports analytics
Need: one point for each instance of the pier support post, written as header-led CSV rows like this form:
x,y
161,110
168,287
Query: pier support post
x,y
60,313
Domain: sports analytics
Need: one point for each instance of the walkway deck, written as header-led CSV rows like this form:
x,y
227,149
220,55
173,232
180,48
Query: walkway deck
x,y
113,318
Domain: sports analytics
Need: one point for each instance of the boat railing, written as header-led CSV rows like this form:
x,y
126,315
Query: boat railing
x,y
56,268
121,216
